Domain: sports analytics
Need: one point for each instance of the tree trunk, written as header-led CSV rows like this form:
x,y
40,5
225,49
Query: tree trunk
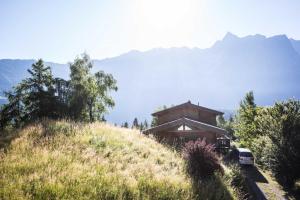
x,y
91,112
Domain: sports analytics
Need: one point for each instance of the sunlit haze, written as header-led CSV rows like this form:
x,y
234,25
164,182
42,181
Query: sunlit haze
x,y
60,30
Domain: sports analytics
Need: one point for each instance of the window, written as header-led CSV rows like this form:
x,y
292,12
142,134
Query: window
x,y
246,154
184,128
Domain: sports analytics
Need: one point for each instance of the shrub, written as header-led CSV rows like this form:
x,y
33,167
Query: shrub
x,y
262,150
58,127
216,187
202,160
238,180
281,124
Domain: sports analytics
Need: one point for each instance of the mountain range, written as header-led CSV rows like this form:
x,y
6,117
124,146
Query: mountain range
x,y
217,77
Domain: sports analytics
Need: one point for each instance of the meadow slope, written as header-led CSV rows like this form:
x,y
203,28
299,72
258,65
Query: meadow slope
x,y
64,160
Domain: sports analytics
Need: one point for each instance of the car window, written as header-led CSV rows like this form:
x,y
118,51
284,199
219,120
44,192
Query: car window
x,y
246,154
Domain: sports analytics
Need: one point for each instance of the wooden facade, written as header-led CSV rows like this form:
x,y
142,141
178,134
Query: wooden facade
x,y
186,122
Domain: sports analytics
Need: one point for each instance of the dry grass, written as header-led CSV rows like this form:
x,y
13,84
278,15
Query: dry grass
x,y
274,190
64,160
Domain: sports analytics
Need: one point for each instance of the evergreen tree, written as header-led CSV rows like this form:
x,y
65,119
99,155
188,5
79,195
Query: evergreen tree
x,y
221,121
231,119
145,124
125,125
141,126
229,127
32,99
12,112
62,93
103,119
226,124
135,123
245,126
39,99
154,122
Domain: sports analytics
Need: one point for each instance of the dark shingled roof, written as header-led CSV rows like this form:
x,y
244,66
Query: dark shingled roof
x,y
188,104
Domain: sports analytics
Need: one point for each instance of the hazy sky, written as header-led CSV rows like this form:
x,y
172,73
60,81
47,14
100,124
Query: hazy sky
x,y
58,30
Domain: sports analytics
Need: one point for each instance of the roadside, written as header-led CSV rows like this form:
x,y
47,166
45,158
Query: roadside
x,y
264,180
264,183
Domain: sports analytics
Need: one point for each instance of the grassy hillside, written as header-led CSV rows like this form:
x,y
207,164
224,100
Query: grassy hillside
x,y
63,160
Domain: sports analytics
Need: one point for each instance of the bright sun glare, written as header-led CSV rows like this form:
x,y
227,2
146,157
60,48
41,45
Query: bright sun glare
x,y
166,21
164,13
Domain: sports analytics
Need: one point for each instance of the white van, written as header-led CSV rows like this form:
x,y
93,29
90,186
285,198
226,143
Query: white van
x,y
245,156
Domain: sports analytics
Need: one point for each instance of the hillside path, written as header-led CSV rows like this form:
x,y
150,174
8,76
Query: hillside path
x,y
263,185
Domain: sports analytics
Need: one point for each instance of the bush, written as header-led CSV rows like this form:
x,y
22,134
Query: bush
x,y
202,160
58,127
216,187
238,180
281,124
262,150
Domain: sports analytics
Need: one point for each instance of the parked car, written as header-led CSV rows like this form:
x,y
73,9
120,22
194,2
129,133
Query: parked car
x,y
245,157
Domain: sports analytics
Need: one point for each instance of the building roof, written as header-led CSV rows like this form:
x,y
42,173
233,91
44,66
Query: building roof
x,y
187,104
188,122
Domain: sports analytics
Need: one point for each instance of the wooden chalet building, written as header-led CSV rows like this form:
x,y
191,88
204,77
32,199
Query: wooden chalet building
x,y
188,121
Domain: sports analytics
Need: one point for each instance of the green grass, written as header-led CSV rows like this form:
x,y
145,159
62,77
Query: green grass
x,y
64,160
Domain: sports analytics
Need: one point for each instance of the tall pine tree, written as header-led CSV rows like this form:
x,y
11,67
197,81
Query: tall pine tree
x,y
40,99
245,126
32,99
135,123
